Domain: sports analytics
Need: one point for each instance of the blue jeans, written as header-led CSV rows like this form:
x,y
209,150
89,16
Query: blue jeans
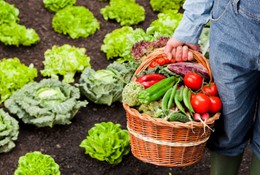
x,y
235,64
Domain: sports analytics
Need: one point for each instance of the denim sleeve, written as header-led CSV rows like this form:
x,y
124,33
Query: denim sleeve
x,y
195,16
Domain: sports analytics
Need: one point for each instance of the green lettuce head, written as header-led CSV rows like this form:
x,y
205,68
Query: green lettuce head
x,y
106,141
37,163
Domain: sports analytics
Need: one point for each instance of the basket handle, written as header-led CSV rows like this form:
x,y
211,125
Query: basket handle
x,y
160,52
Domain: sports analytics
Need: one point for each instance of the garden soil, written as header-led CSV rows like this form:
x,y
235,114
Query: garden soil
x,y
62,142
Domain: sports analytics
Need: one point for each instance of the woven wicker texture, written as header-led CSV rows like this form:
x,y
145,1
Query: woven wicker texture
x,y
163,143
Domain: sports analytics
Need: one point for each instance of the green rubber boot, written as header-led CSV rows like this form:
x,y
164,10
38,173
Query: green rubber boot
x,y
224,165
255,166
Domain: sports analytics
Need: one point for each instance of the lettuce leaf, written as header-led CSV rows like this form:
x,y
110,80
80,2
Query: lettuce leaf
x,y
165,25
13,76
8,13
118,43
65,60
125,12
56,5
76,21
16,34
164,5
46,103
37,163
106,141
9,130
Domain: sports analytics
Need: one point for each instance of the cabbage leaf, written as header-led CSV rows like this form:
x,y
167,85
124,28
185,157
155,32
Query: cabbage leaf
x,y
105,86
9,130
46,103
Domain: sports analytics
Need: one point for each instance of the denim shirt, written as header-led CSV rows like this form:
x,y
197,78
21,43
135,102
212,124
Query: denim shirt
x,y
195,16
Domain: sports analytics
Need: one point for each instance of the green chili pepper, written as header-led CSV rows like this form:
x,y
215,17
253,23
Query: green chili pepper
x,y
156,91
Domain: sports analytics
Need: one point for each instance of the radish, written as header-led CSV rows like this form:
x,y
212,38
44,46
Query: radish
x,y
202,118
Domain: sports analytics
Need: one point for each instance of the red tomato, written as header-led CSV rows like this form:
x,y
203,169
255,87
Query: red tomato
x,y
210,89
160,61
215,104
200,103
193,81
153,64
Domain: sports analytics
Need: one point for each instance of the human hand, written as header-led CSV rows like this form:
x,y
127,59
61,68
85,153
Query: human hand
x,y
180,51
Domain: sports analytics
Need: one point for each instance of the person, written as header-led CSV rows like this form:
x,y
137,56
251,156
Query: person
x,y
234,58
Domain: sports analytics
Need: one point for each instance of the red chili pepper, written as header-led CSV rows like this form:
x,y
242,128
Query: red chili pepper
x,y
150,79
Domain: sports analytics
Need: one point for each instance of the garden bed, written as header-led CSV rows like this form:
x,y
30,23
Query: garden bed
x,y
62,142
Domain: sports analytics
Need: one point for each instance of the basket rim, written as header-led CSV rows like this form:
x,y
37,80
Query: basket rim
x,y
163,122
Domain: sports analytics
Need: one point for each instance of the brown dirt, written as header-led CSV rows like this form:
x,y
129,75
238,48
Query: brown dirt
x,y
62,142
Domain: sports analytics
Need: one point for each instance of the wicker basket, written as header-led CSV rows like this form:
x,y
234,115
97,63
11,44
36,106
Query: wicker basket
x,y
163,143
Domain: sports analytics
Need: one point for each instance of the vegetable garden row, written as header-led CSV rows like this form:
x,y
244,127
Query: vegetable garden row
x,y
52,95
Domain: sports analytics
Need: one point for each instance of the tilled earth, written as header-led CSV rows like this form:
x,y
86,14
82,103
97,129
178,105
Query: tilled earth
x,y
62,142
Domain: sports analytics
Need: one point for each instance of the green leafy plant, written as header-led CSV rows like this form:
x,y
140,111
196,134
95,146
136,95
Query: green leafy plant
x,y
37,163
56,5
16,34
46,103
119,42
125,12
12,33
65,60
9,130
106,141
8,13
165,25
163,5
14,75
105,86
76,21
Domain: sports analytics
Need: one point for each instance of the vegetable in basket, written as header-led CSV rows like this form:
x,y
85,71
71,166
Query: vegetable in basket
x,y
149,79
35,162
46,103
9,130
130,93
106,141
157,90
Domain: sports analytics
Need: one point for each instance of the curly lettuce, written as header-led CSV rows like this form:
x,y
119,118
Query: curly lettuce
x,y
56,5
76,21
33,163
16,34
125,12
106,141
13,76
9,130
8,13
165,25
164,5
47,103
118,43
65,60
